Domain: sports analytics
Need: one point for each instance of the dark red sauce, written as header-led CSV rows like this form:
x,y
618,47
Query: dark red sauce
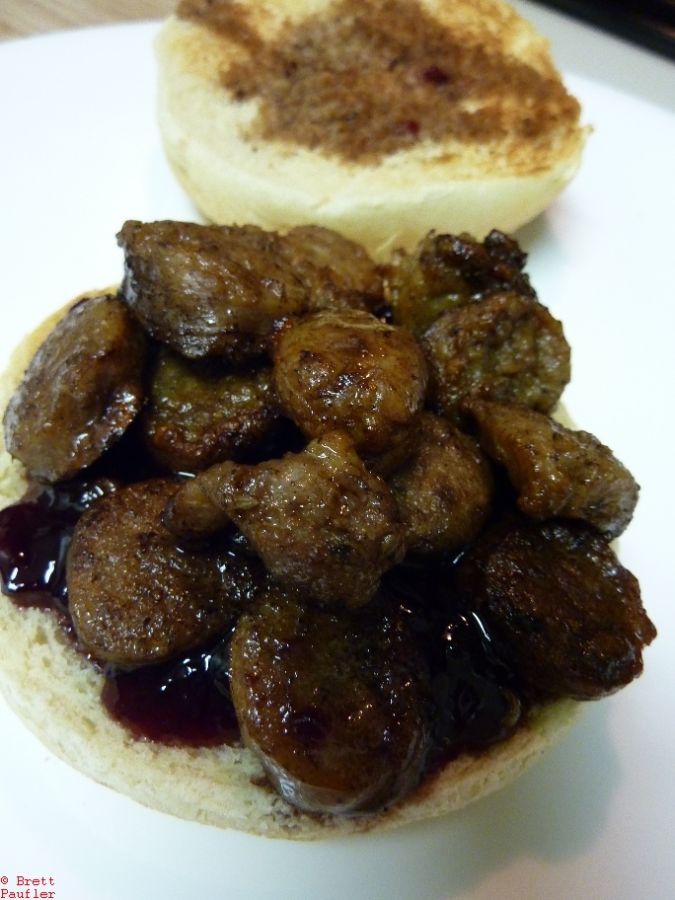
x,y
34,539
187,701
408,126
475,696
435,75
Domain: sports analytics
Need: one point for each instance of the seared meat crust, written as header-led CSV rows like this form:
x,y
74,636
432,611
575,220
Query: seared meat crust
x,y
205,292
348,370
334,701
447,271
81,391
337,272
319,520
200,412
135,595
444,494
507,348
567,615
557,471
333,271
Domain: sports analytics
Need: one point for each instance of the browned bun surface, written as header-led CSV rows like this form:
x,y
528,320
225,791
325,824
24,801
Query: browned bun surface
x,y
56,692
379,119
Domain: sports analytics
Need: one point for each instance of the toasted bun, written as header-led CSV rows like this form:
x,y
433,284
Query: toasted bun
x,y
56,692
513,144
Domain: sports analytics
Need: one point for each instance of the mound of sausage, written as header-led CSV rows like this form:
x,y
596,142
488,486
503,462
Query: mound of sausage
x,y
348,475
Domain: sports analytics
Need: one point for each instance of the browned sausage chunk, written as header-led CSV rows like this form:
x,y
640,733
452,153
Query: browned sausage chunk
x,y
135,596
208,290
201,413
568,616
335,703
205,290
348,370
557,471
507,348
444,493
80,392
447,271
318,519
333,270
336,271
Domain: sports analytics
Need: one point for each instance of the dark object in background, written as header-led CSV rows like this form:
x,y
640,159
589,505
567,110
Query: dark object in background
x,y
651,23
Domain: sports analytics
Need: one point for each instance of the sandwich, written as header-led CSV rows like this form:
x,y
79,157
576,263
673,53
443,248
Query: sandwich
x,y
285,549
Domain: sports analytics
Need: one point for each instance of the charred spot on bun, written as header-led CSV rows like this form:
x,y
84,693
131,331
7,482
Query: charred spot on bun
x,y
385,603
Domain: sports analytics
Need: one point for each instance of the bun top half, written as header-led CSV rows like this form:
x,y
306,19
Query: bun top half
x,y
380,119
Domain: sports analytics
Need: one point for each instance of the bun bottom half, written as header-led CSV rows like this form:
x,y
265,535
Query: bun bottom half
x,y
56,693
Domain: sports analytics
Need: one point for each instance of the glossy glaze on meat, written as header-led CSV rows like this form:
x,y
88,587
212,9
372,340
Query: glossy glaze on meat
x,y
349,370
191,288
138,597
557,471
82,390
201,412
567,614
335,701
320,521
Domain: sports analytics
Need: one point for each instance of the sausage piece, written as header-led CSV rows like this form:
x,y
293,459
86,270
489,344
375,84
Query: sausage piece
x,y
206,290
337,272
334,702
507,348
137,597
201,413
350,371
567,615
445,492
557,471
81,391
447,271
319,520
210,290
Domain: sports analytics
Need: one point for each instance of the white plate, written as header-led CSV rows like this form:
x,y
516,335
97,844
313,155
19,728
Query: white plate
x,y
79,155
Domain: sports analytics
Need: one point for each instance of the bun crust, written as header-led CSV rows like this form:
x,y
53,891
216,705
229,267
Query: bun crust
x,y
56,693
235,172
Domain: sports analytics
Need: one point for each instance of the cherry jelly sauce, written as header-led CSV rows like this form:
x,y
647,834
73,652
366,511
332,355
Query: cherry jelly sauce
x,y
475,697
435,75
187,701
183,702
35,535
